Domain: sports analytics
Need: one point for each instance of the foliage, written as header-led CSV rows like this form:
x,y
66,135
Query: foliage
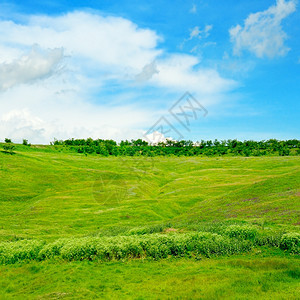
x,y
182,148
25,143
12,252
236,239
269,237
245,232
9,148
291,242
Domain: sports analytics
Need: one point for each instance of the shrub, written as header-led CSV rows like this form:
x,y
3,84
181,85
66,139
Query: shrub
x,y
9,148
244,232
12,252
269,238
79,249
237,239
291,242
51,250
25,143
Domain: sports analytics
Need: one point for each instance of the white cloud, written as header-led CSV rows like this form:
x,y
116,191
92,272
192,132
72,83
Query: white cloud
x,y
107,41
156,137
197,33
39,116
180,72
262,33
29,67
19,124
101,57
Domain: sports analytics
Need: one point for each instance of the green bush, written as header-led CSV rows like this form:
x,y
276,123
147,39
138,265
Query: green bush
x,y
236,239
12,252
268,238
244,232
51,250
9,148
148,229
155,246
291,242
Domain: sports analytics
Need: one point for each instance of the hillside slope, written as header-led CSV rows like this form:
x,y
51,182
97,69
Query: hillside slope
x,y
53,194
87,227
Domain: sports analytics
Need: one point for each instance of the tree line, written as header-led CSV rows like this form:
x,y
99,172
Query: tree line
x,y
140,147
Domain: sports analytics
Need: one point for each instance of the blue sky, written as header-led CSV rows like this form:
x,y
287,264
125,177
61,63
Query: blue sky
x,y
112,69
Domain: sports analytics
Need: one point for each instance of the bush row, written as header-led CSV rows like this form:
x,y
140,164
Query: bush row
x,y
154,246
236,239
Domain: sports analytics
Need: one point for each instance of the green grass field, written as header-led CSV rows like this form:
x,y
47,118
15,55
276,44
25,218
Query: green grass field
x,y
48,196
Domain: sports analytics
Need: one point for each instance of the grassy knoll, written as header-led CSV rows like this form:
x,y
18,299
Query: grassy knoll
x,y
48,196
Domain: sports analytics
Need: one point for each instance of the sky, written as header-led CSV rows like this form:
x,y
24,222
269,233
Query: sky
x,y
193,70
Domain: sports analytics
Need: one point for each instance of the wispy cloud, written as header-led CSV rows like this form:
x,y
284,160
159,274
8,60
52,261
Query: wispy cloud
x,y
197,33
193,10
262,33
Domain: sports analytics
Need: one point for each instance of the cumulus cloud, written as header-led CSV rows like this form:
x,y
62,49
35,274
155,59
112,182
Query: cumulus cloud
x,y
180,72
107,41
40,116
29,67
19,124
262,33
156,137
101,57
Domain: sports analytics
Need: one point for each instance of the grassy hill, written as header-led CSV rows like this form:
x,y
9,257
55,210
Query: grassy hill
x,y
47,195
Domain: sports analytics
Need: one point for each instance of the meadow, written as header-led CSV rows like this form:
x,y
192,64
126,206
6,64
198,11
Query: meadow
x,y
85,226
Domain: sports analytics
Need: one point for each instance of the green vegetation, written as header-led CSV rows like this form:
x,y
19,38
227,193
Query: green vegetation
x,y
156,246
9,148
182,148
77,226
235,277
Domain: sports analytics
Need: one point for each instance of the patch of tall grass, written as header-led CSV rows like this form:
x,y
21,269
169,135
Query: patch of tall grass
x,y
235,239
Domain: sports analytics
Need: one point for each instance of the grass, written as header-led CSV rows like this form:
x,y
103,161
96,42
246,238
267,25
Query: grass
x,y
239,278
48,195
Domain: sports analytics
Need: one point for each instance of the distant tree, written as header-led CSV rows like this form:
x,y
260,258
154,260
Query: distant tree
x,y
25,142
209,143
284,151
89,141
180,148
139,142
7,140
101,149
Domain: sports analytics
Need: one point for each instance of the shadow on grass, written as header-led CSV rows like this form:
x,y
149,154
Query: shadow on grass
x,y
7,152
